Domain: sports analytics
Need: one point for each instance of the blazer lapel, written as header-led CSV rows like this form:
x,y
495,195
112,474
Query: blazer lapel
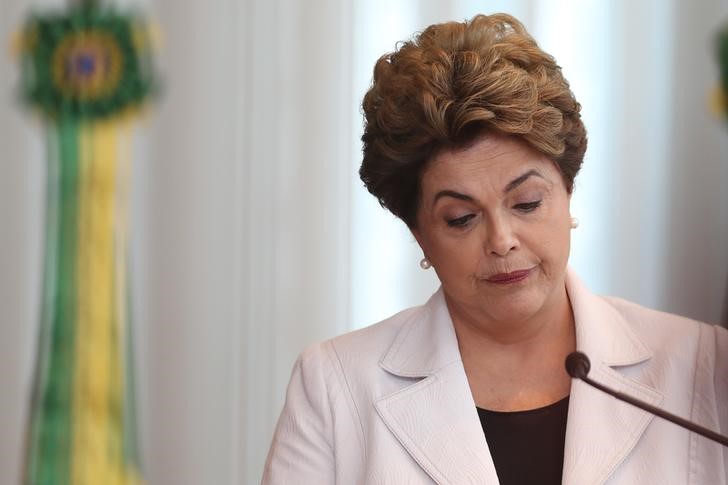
x,y
601,430
435,418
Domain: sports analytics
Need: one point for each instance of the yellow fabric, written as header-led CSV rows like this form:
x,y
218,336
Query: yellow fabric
x,y
97,455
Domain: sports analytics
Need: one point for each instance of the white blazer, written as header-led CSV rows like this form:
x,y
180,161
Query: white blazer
x,y
390,404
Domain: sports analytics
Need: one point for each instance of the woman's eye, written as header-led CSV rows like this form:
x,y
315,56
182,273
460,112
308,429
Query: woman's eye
x,y
528,206
460,221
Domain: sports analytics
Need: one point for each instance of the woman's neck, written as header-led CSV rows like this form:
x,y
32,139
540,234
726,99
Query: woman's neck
x,y
518,365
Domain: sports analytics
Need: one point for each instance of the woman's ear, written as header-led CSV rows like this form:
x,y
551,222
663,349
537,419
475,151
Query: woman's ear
x,y
418,237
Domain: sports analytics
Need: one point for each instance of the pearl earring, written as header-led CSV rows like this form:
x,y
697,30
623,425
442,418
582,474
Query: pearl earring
x,y
425,263
574,222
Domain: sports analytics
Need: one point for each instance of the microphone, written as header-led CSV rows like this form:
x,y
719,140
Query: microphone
x,y
578,365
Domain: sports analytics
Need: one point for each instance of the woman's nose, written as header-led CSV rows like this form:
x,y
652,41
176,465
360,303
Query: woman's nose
x,y
500,238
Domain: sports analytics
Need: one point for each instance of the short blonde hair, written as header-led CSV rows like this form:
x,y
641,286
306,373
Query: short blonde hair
x,y
454,82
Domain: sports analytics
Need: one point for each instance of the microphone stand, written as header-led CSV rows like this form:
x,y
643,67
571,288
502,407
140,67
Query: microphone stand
x,y
578,365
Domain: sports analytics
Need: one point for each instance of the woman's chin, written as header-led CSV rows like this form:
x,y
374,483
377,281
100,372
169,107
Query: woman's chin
x,y
516,307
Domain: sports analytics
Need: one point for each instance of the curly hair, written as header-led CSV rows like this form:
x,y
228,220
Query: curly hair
x,y
452,83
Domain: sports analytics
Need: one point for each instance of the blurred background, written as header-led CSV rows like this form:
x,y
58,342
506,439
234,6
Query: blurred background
x,y
252,235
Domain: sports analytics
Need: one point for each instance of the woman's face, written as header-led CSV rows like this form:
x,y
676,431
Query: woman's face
x,y
494,222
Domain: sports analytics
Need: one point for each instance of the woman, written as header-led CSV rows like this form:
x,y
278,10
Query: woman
x,y
473,139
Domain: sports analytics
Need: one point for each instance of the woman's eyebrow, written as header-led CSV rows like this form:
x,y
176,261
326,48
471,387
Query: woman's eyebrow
x,y
522,178
511,186
453,194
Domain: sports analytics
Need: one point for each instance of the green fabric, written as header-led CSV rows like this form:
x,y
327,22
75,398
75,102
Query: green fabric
x,y
52,429
47,308
723,60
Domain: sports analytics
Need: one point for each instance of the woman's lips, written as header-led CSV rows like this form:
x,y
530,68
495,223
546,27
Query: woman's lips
x,y
509,278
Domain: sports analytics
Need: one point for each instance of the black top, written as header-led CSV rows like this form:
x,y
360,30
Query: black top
x,y
527,446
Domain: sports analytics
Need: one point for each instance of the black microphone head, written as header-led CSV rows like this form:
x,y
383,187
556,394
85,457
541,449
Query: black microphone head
x,y
577,365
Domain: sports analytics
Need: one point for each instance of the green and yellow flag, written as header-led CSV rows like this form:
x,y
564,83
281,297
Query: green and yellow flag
x,y
86,71
722,54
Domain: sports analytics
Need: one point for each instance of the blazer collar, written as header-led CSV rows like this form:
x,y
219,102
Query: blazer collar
x,y
601,431
426,343
602,333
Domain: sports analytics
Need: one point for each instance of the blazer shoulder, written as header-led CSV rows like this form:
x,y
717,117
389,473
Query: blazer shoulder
x,y
672,335
373,341
649,322
670,338
355,352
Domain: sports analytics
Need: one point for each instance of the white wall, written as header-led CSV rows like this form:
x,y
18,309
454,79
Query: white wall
x,y
252,235
22,187
243,228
